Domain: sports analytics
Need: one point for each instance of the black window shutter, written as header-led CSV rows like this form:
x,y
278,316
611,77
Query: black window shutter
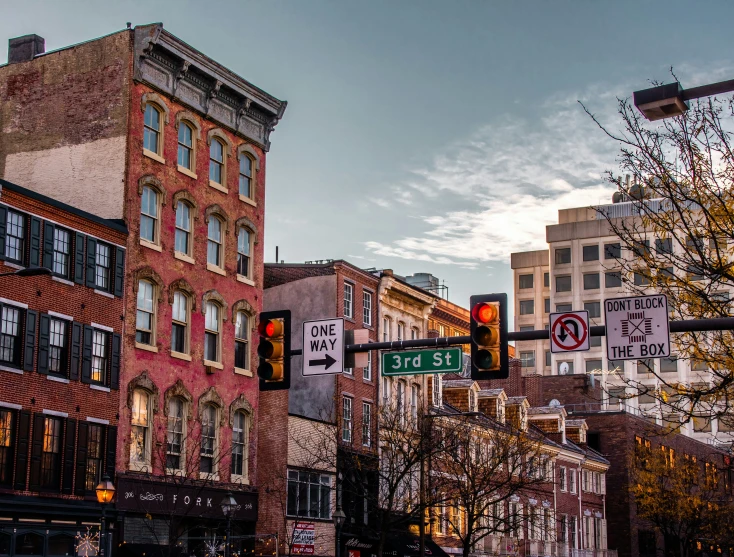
x,y
111,448
81,459
75,350
79,263
3,227
68,471
39,424
91,262
119,271
87,354
48,245
43,342
21,450
29,343
115,362
35,243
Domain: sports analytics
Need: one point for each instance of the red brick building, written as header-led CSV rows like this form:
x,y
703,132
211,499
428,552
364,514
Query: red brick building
x,y
141,127
59,368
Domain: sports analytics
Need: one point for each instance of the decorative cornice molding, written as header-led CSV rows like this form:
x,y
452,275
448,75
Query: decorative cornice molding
x,y
183,286
148,273
144,382
240,403
178,390
211,396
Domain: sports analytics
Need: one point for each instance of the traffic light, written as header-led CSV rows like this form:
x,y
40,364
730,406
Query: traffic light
x,y
274,369
489,358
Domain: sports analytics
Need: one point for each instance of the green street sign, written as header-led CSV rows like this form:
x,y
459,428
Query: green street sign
x,y
414,362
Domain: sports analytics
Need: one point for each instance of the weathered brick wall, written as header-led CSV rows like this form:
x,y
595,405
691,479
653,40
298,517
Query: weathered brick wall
x,y
275,275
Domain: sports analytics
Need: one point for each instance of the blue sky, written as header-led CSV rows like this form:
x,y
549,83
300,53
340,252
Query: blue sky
x,y
426,136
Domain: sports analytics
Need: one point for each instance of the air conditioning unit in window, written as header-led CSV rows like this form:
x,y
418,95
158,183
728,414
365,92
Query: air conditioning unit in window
x,y
210,370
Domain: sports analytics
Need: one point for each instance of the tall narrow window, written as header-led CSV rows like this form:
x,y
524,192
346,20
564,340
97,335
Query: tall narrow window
x,y
6,446
216,162
208,440
400,399
367,371
401,331
436,384
175,434
385,329
348,300
62,248
367,308
243,252
241,341
211,335
57,346
15,237
152,129
245,176
183,228
145,314
140,429
103,263
347,419
94,456
180,318
99,357
240,435
149,215
10,336
386,390
51,453
214,242
185,146
366,424
414,399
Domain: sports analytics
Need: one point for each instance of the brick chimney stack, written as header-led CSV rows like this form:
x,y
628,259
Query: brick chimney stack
x,y
25,48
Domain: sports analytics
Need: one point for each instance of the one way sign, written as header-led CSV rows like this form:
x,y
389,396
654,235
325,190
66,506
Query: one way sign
x,y
323,347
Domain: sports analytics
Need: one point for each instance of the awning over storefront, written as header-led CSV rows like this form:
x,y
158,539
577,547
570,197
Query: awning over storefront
x,y
396,545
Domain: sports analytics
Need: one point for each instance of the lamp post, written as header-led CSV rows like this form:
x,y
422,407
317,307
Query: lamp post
x,y
28,272
338,517
229,505
105,493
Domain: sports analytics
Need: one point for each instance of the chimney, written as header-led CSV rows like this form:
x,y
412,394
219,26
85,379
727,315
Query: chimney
x,y
25,48
576,431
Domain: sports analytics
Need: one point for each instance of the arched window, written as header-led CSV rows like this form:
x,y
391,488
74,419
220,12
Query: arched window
x,y
240,442
180,323
216,162
183,228
152,129
244,251
214,243
175,435
149,215
212,336
140,422
145,317
242,341
209,440
185,146
246,176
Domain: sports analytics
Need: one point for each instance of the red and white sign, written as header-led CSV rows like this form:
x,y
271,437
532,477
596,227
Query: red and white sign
x,y
569,332
303,538
353,553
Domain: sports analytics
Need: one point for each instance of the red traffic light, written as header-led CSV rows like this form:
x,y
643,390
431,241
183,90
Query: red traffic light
x,y
270,328
484,313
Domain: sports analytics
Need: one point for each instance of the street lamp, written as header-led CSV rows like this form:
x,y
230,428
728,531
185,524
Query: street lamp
x,y
28,272
229,506
338,517
105,493
666,101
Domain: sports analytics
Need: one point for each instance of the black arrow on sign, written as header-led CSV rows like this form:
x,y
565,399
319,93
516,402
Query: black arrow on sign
x,y
562,335
327,362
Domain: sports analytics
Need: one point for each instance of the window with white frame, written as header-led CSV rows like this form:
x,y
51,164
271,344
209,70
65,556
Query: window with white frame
x,y
240,442
564,529
212,328
309,494
367,371
145,316
180,323
386,390
572,532
386,329
216,162
140,429
214,242
15,233
587,532
415,395
366,424
366,308
58,346
400,399
572,480
185,157
244,251
436,394
401,330
348,300
242,341
175,454
562,478
245,178
103,267
152,129
61,253
209,438
100,357
182,240
347,419
149,209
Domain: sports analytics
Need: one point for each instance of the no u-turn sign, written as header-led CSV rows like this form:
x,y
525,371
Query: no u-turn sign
x,y
569,332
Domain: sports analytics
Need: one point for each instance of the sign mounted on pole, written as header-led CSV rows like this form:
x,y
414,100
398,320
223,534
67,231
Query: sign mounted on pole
x,y
415,362
637,327
569,331
323,347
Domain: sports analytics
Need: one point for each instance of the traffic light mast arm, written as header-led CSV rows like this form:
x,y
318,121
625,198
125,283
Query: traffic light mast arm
x,y
690,325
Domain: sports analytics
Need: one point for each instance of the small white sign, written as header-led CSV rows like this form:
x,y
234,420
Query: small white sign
x,y
323,346
637,327
569,331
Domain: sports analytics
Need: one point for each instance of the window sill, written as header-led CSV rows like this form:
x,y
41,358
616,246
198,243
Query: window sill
x,y
146,347
180,356
247,200
243,278
63,281
240,371
184,170
348,375
100,388
219,187
237,479
12,265
151,245
103,293
174,472
11,370
215,269
207,476
154,156
57,379
183,257
139,466
215,365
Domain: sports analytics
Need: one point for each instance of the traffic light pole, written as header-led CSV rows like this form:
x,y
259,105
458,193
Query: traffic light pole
x,y
690,325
